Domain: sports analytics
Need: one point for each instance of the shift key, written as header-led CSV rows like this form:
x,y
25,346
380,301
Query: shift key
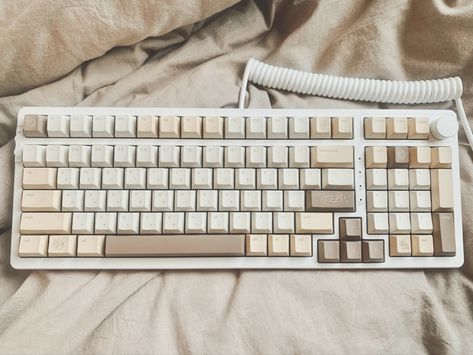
x,y
326,200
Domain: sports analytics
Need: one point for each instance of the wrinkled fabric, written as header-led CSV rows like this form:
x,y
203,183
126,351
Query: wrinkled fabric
x,y
192,54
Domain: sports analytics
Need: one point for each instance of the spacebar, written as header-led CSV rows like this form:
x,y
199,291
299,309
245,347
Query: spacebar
x,y
175,245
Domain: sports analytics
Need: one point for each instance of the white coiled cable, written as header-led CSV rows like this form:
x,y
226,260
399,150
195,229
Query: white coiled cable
x,y
372,90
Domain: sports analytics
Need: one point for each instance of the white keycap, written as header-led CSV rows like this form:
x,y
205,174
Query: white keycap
x,y
191,127
256,127
184,200
157,178
67,178
261,222
90,178
106,223
213,127
34,156
58,126
229,200
196,222
283,222
179,178
207,200
420,201
245,179
151,223
79,156
399,223
163,200
102,156
266,179
321,127
299,127
173,222
117,200
201,179
224,178
234,157
256,157
146,156
277,157
299,157
240,222
135,178
72,200
94,200
128,223
140,200
250,200
191,157
125,126
421,223
310,179
217,222
90,245
294,200
168,156
81,126
277,128
56,155
83,223
376,179
103,126
234,127
377,201
62,245
213,157
337,179
272,200
112,178
419,179
398,201
398,179
124,156
378,223
147,126
288,179
169,126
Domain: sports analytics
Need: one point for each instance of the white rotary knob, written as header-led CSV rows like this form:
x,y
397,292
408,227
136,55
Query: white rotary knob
x,y
444,127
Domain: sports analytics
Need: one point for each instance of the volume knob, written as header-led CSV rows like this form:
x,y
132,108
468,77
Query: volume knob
x,y
443,128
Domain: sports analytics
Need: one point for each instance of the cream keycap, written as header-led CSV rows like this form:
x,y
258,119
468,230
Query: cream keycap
x,y
441,157
79,156
419,157
376,179
103,126
56,155
147,126
300,244
90,245
378,223
34,156
256,245
278,244
234,127
396,128
400,245
418,128
62,245
320,128
310,179
146,156
376,157
377,201
58,125
213,127
399,223
299,128
342,127
102,156
299,157
81,126
337,179
421,223
191,157
39,178
332,156
420,201
256,127
49,223
277,128
261,222
125,126
422,245
191,127
419,179
168,156
33,246
256,157
169,127
41,200
398,179
375,127
442,190
399,201
196,222
314,222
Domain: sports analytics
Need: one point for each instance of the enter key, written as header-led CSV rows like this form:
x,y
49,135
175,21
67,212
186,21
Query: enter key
x,y
314,222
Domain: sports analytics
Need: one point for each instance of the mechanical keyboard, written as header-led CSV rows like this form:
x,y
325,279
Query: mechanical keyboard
x,y
185,188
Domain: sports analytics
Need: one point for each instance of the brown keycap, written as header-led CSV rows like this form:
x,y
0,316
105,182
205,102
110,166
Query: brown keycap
x,y
35,126
398,157
175,245
343,201
373,251
350,252
328,251
444,234
350,228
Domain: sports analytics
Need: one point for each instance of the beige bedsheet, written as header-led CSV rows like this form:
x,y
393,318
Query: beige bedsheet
x,y
192,53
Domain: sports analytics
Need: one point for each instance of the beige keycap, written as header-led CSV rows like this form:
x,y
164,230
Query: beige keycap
x,y
45,223
377,201
337,179
39,178
33,246
90,245
213,127
169,127
376,157
399,223
400,245
419,157
441,157
328,251
378,223
62,245
342,127
35,126
147,126
396,128
421,223
278,244
419,179
422,245
332,156
320,127
34,156
444,234
314,222
256,245
191,127
418,128
300,244
442,190
41,200
375,127
420,201
376,179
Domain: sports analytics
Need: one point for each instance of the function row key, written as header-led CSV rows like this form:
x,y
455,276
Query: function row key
x,y
396,128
